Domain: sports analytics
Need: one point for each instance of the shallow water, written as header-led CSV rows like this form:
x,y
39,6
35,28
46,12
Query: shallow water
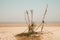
x,y
8,33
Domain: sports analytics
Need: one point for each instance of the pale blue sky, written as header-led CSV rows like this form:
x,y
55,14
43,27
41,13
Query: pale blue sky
x,y
13,10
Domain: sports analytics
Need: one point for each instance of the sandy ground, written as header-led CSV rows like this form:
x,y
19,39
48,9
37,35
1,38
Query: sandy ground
x,y
8,32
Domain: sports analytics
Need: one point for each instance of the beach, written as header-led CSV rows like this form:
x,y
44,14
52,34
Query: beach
x,y
8,31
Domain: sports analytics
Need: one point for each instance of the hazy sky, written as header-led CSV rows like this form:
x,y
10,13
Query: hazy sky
x,y
13,10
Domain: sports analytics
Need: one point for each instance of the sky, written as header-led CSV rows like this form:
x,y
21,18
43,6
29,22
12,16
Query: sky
x,y
14,10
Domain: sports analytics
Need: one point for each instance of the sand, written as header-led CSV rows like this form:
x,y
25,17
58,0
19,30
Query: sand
x,y
9,32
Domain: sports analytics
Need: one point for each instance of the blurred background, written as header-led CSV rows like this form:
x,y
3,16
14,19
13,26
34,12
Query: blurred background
x,y
12,11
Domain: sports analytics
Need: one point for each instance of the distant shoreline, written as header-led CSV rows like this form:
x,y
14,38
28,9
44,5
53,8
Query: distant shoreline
x,y
24,24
